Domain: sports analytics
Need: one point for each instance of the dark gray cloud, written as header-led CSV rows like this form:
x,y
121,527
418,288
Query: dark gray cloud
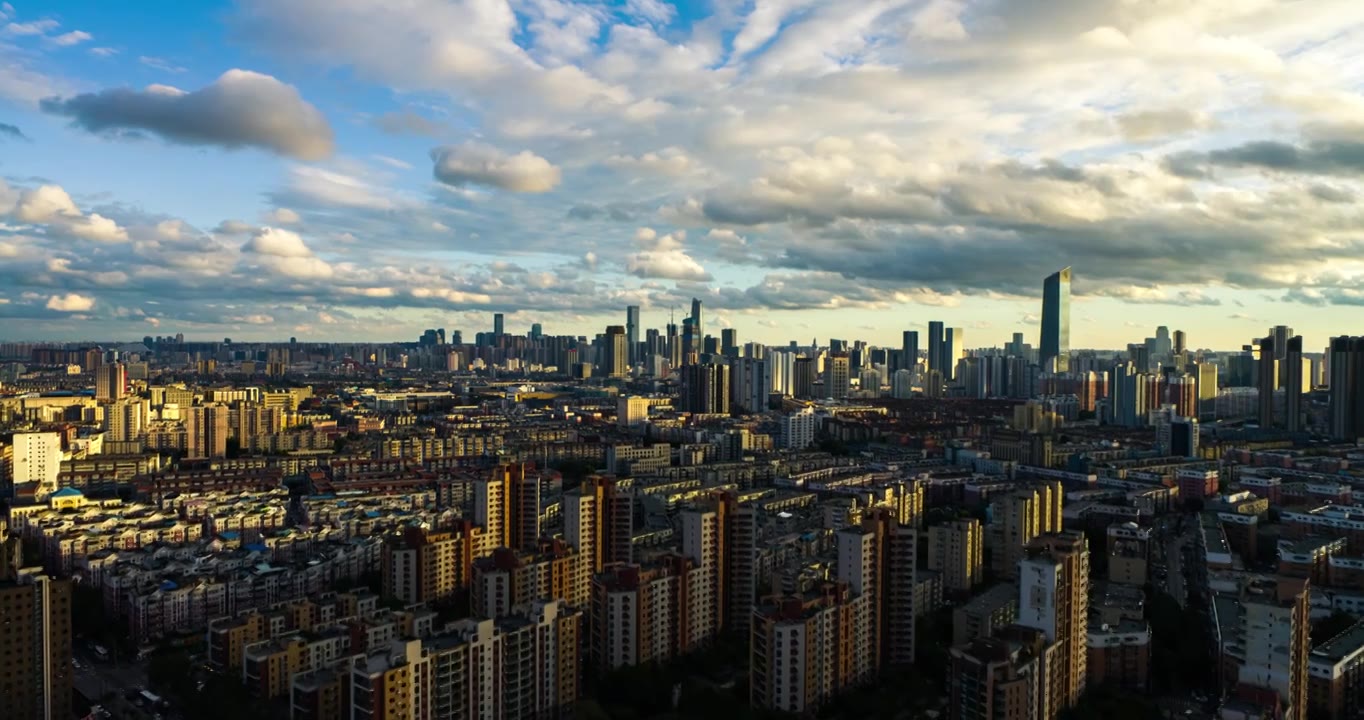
x,y
1325,157
239,109
12,132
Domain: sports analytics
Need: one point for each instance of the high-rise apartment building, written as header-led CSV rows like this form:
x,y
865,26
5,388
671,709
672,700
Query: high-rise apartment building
x,y
1018,518
705,388
1004,678
720,538
38,459
1268,655
35,647
956,549
1347,388
1053,597
207,431
111,382
1054,349
126,419
424,566
507,507
599,524
802,649
836,377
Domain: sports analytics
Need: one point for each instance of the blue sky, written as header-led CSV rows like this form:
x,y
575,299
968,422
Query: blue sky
x,y
340,169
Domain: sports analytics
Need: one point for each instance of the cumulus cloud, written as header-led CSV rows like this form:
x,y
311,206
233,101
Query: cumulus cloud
x,y
51,206
285,252
70,303
282,216
477,164
240,109
663,257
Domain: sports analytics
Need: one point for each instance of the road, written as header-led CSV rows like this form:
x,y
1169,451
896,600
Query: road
x,y
1174,556
95,680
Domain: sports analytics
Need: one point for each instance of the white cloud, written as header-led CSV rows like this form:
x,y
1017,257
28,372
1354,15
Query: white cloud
x,y
51,206
663,257
70,303
278,243
476,164
331,188
75,37
282,216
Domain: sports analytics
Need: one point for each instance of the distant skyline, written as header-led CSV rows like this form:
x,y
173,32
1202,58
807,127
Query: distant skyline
x,y
349,169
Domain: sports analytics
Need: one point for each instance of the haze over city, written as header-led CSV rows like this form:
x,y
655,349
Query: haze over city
x,y
337,170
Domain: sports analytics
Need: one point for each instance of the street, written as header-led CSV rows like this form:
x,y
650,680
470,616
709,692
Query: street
x,y
95,679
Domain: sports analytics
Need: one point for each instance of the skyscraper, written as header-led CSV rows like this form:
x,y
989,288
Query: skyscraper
x,y
632,333
909,350
803,378
953,348
1056,321
1347,387
729,342
499,325
935,328
697,328
1292,418
617,361
1267,380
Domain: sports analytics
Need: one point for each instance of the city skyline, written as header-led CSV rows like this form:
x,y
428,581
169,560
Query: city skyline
x,y
261,170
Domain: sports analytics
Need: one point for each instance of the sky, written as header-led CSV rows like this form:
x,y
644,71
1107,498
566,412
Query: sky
x,y
363,170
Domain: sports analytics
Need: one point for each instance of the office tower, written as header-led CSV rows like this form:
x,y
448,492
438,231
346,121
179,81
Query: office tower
x,y
729,342
616,363
499,325
1347,388
1293,385
632,333
1053,597
957,550
902,385
1018,518
697,327
803,378
536,331
1280,335
111,382
1001,678
836,377
1267,380
35,647
909,350
599,524
935,338
38,459
705,389
206,431
673,347
1179,347
953,349
1055,343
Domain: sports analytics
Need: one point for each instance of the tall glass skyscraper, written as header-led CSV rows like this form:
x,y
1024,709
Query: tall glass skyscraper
x,y
1056,320
632,332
